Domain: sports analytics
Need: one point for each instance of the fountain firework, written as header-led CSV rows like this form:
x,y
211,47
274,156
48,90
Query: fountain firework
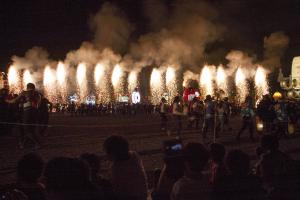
x,y
49,84
14,80
101,83
241,85
156,86
81,82
222,80
206,80
171,83
61,74
261,83
132,81
27,78
117,81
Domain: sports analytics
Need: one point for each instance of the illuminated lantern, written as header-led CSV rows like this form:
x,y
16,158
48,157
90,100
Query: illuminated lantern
x,y
277,96
135,97
290,94
259,125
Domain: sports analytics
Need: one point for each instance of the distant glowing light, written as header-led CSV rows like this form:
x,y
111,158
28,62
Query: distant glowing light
x,y
81,81
13,79
241,85
156,86
221,76
132,81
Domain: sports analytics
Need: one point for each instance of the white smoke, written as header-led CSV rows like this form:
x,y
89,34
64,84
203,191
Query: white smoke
x,y
275,46
111,28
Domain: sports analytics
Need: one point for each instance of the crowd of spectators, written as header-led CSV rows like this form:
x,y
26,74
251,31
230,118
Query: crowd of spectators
x,y
195,172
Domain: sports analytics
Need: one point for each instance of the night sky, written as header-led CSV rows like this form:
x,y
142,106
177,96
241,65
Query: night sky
x,y
62,25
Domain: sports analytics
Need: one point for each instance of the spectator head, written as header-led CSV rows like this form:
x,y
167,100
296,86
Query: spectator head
x,y
217,152
116,148
208,98
93,162
176,99
269,143
30,168
238,163
30,86
195,156
163,100
64,174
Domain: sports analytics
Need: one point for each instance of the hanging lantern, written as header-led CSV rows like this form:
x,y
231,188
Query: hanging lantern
x,y
277,96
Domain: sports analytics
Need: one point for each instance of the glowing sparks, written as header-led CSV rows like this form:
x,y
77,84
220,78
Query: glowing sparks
x,y
81,81
171,83
221,76
156,87
13,79
206,80
116,75
98,73
61,74
27,78
241,85
49,84
132,81
261,82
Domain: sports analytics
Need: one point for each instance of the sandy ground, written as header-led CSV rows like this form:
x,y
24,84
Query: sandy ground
x,y
72,136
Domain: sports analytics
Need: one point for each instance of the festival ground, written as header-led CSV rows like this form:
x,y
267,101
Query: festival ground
x,y
72,136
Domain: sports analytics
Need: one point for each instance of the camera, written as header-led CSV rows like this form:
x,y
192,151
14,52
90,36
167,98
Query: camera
x,y
172,147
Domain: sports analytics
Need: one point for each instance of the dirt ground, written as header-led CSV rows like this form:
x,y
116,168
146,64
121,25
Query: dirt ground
x,y
72,136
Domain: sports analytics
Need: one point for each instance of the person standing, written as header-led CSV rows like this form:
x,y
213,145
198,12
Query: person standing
x,y
209,111
30,99
163,109
281,120
247,114
221,118
177,112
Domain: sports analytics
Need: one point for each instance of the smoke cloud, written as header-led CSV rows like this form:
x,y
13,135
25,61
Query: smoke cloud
x,y
111,28
190,27
275,46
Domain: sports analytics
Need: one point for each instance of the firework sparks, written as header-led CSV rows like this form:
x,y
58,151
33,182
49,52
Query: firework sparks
x,y
206,80
49,84
14,80
261,82
27,78
171,83
132,81
81,81
156,86
241,84
61,74
221,79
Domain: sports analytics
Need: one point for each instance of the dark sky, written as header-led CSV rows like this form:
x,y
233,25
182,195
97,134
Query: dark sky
x,y
62,25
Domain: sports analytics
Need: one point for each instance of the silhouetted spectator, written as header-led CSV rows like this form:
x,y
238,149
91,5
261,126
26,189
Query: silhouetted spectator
x,y
239,184
217,167
128,176
277,170
193,185
94,163
29,171
69,179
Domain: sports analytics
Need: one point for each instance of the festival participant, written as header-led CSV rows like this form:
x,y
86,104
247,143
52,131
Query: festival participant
x,y
239,183
217,166
281,120
177,112
69,179
247,114
163,111
30,99
29,172
209,111
193,185
195,112
43,115
4,112
128,175
227,113
220,118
